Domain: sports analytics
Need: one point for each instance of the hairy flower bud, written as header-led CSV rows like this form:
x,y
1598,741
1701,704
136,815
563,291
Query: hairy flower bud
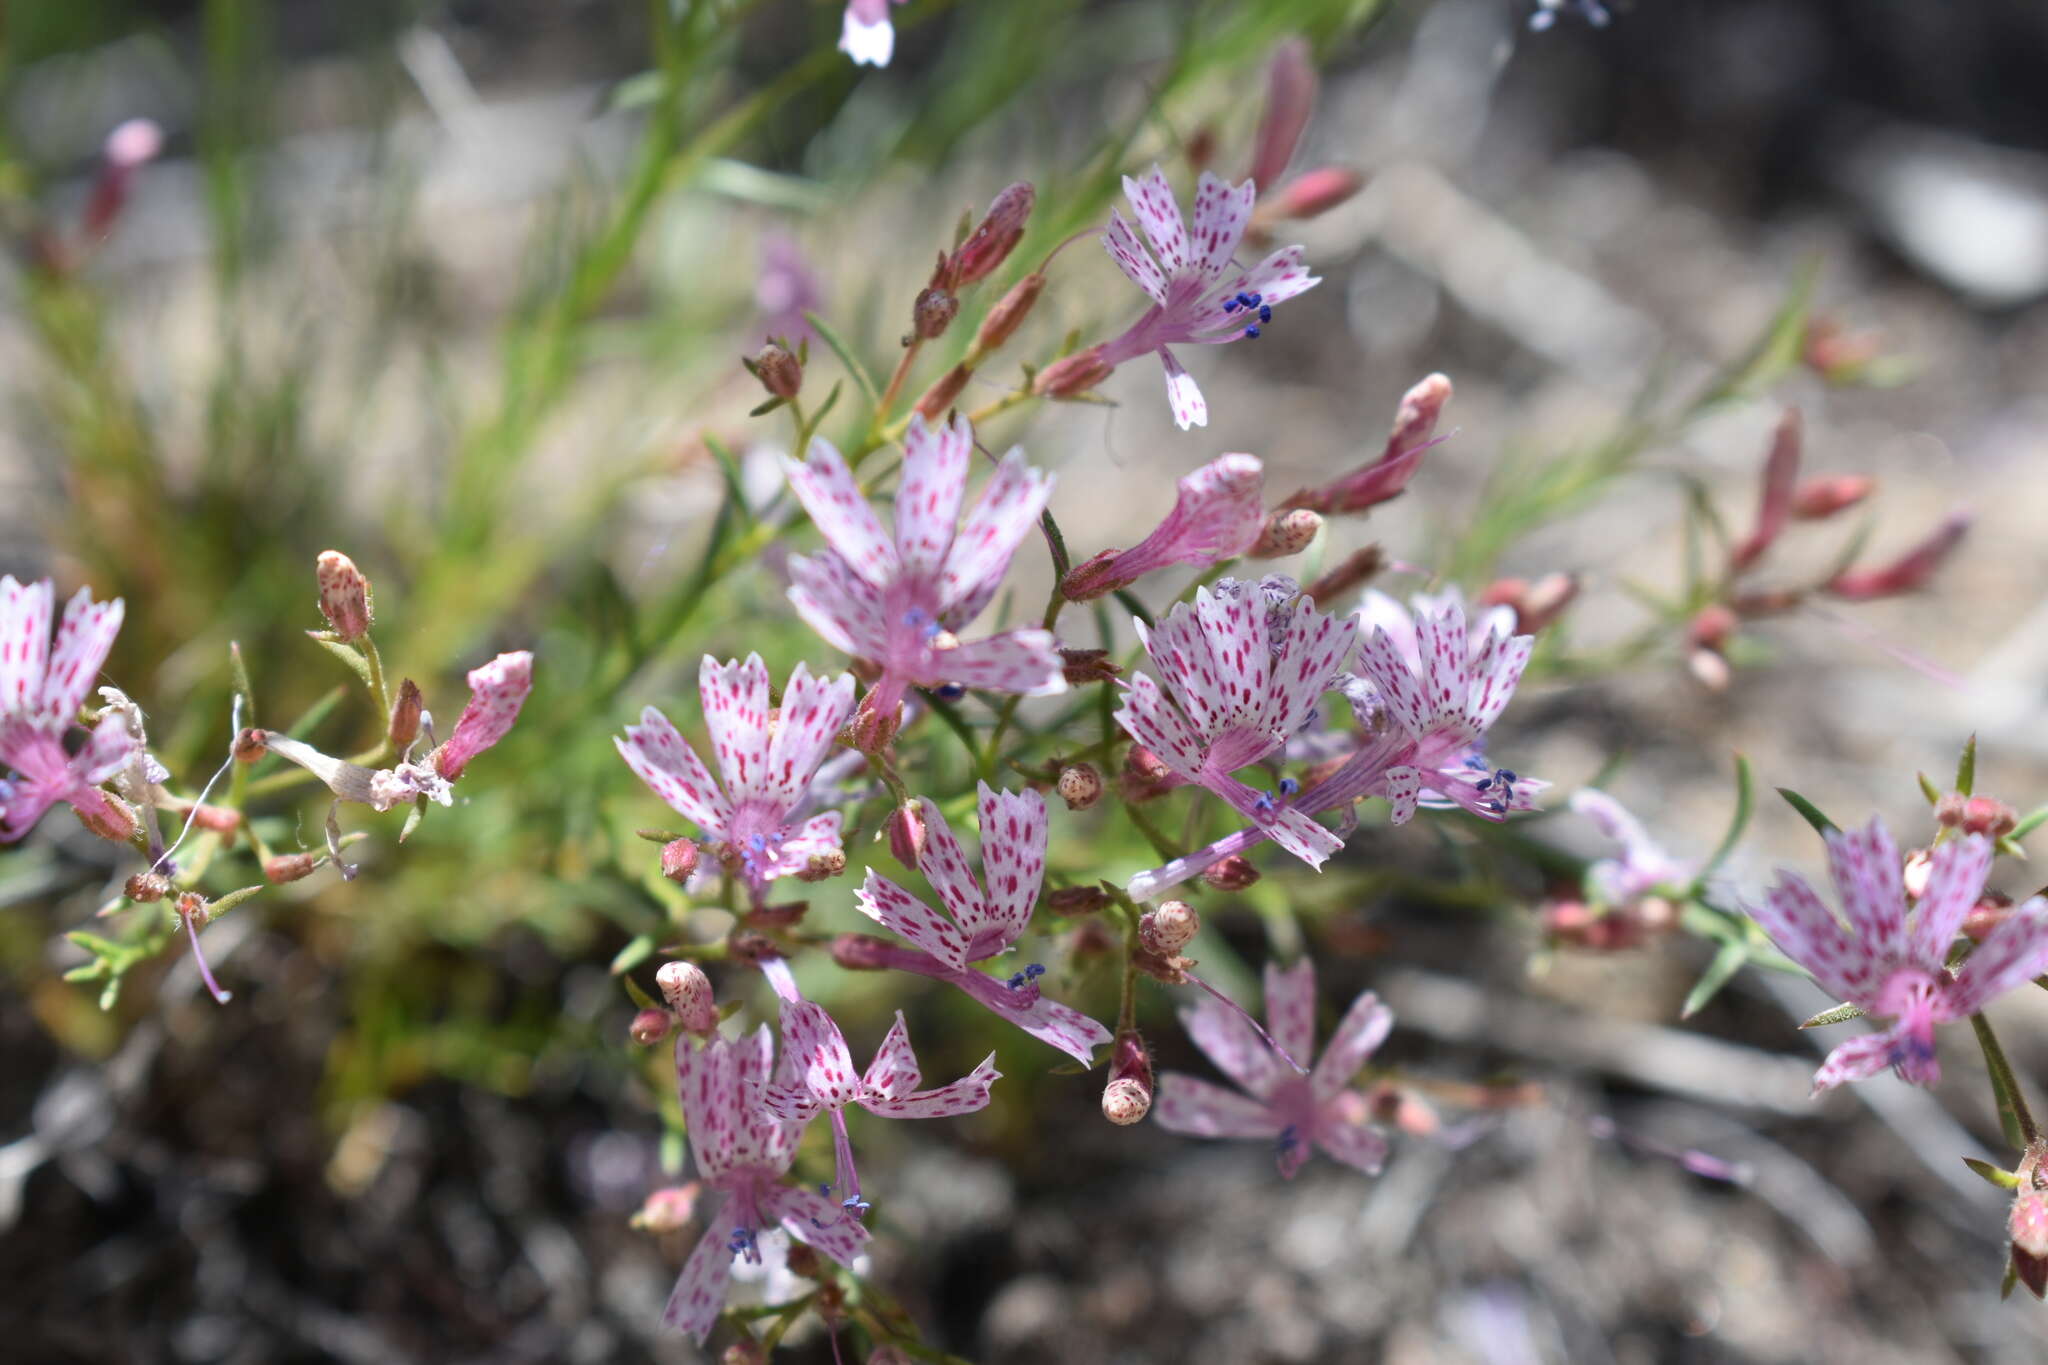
x,y
289,867
250,745
109,817
1357,569
1535,605
1287,532
995,236
1077,900
667,1209
1170,928
939,398
195,910
1008,315
873,728
933,313
406,710
862,952
147,887
688,992
907,834
1909,571
823,866
1144,778
1711,627
1819,499
1313,193
1128,1096
344,595
651,1026
1073,375
2028,1228
1233,873
679,858
1080,785
1083,666
779,371
1976,815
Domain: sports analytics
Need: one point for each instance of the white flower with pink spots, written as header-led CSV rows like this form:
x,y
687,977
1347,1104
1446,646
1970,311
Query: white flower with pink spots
x,y
42,685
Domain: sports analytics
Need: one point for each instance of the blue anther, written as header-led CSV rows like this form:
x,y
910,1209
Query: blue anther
x,y
915,617
1252,300
1252,332
1265,312
1289,1139
855,1205
1034,971
825,1187
1263,803
950,692
1230,305
1017,982
1288,786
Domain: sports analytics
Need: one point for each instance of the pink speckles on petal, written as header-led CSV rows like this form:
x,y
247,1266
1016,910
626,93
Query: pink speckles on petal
x,y
944,864
735,697
1183,395
1354,1144
1291,1007
1132,258
1013,837
1198,1108
1229,1040
1955,878
896,909
1359,1034
83,638
1802,927
1865,867
980,555
658,755
24,645
893,1073
1858,1059
2014,954
832,497
928,499
699,1295
1157,212
1026,662
819,1049
1222,213
496,692
964,1096
814,710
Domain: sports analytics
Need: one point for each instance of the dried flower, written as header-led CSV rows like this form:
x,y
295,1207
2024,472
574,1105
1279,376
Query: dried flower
x,y
779,371
1288,532
406,709
932,313
1128,1095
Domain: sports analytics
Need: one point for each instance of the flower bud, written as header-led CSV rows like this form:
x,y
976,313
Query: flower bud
x,y
1287,532
1144,778
1290,99
862,952
1083,666
1535,605
130,147
995,236
1080,785
1073,375
746,1352
1313,193
1993,819
194,909
1234,873
1775,484
780,372
942,394
779,916
1991,910
147,887
1354,572
1709,669
872,728
1170,928
750,947
2028,1228
679,858
289,867
1909,571
1128,1096
251,745
406,709
1095,577
688,992
1819,499
1008,315
932,314
344,595
823,866
1711,627
907,834
651,1026
667,1209
1077,900
109,817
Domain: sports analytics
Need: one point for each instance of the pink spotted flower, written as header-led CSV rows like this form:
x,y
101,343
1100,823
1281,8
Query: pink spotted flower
x,y
1240,672
1218,513
897,600
743,1151
825,1082
983,919
757,820
1199,293
42,686
1893,969
1296,1113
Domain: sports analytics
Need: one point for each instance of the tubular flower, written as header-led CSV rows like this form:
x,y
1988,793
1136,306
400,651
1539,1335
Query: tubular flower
x,y
1218,513
768,758
1295,1112
1643,865
1199,294
898,601
743,1151
1246,664
825,1082
865,34
1894,970
42,685
984,918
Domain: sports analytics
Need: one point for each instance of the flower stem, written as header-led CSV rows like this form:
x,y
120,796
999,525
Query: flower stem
x,y
2005,1082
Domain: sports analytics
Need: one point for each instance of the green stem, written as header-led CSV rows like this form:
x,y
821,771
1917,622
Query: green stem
x,y
2004,1080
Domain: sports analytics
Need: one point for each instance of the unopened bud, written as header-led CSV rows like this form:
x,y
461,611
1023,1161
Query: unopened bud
x,y
679,858
651,1026
194,909
667,1210
933,313
1983,815
1144,777
1286,533
148,886
216,819
406,709
289,867
823,866
1709,669
780,916
995,236
1991,910
1083,666
688,992
940,397
1234,873
1128,1096
1909,571
128,148
873,728
1357,569
1077,900
1097,576
1314,192
1008,315
1080,785
907,834
862,952
1170,928
778,370
1073,375
1818,499
751,947
1536,604
251,745
1711,627
344,595
1290,98
2028,1228
109,817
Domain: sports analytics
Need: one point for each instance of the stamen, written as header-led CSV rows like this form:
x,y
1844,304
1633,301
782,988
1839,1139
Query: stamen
x,y
1252,332
950,691
1288,786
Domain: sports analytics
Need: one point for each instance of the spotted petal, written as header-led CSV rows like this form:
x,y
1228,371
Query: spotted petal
x,y
662,759
83,639
810,1217
1153,203
963,1096
1024,662
813,712
1865,867
1858,1059
735,697
1802,926
1183,394
928,499
1955,879
1009,507
2016,952
1354,1144
894,908
893,1073
1198,1109
699,1295
1013,836
1229,1040
24,645
1222,213
944,864
1359,1034
832,496
839,604
1132,258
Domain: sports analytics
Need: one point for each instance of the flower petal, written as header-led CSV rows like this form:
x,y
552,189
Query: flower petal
x,y
944,864
894,908
1234,624
811,1217
839,604
1291,1008
1354,1144
1316,646
1228,1040
1222,212
1808,933
1147,718
1380,658
1364,1027
815,838
1402,786
83,639
813,712
1157,212
662,759
828,491
1199,1109
928,498
1858,1059
708,1083
2016,952
1024,662
1865,867
1010,505
819,1049
24,645
1181,656
1132,258
1955,879
1183,394
868,44
699,1295
1013,835
735,697
893,1072
963,1096
1051,1023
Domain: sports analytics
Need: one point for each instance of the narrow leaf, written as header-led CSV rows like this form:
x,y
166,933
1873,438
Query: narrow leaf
x,y
846,358
1835,1014
1966,768
1809,812
641,999
349,655
1745,806
1928,789
2029,823
631,956
1997,1175
1719,973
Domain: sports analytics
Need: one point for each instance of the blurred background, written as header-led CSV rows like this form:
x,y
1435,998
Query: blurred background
x,y
460,288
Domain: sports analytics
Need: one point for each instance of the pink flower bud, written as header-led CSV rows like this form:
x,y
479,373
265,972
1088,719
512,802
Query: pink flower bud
x,y
1233,873
1170,928
2028,1228
1357,569
651,1026
933,313
1008,315
1386,478
939,398
1290,99
1073,375
1080,785
1535,605
1774,503
344,595
406,709
106,815
907,834
128,149
1819,499
779,371
1711,627
679,858
289,867
667,1209
1315,192
1289,532
250,745
1145,778
862,952
1909,571
995,236
688,992
1128,1096
148,887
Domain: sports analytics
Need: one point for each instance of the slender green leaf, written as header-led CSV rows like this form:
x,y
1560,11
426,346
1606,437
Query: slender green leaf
x,y
2013,1115
2029,823
846,358
1719,973
1809,812
1835,1014
1928,789
1996,1175
348,654
632,955
1966,768
1745,806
